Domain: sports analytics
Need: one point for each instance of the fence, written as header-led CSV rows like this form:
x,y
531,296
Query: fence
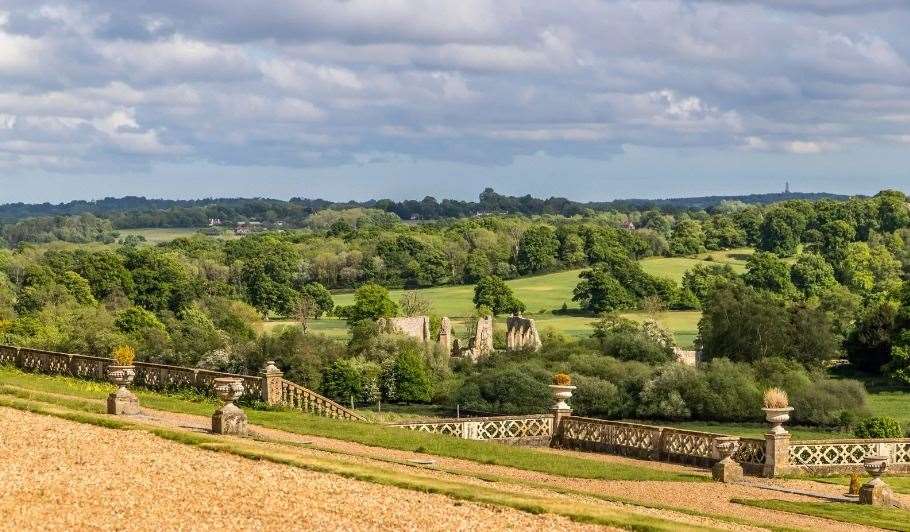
x,y
846,456
270,387
534,429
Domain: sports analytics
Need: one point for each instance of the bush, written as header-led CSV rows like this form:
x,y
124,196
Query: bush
x,y
596,397
878,427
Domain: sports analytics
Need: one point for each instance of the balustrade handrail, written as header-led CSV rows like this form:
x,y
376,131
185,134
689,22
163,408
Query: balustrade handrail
x,y
849,441
344,412
427,421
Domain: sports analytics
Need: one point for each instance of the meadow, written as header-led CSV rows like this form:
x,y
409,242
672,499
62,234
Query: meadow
x,y
545,295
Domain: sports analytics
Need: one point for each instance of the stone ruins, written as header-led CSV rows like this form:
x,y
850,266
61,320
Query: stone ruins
x,y
444,341
522,334
417,327
481,344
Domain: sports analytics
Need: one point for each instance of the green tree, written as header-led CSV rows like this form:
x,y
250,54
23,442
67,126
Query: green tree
x,y
812,274
161,280
135,319
78,287
721,232
600,292
493,293
701,280
765,271
537,250
893,213
835,236
321,298
781,230
408,373
868,269
371,302
688,238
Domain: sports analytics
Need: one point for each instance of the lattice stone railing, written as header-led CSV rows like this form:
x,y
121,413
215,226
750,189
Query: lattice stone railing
x,y
841,456
614,437
272,389
535,429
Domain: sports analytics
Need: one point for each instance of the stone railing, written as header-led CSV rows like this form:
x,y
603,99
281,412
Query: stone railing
x,y
300,398
534,429
269,387
846,456
751,455
637,440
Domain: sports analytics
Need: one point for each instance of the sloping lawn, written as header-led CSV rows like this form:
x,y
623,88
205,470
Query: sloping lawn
x,y
860,514
364,433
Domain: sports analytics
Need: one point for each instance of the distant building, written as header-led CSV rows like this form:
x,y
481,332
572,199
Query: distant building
x,y
246,228
215,221
628,225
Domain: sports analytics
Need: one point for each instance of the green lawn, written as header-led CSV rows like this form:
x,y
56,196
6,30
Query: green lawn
x,y
156,235
894,404
900,484
544,294
887,518
18,384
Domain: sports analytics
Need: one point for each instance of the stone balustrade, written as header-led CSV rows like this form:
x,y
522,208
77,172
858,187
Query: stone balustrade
x,y
532,430
819,457
270,387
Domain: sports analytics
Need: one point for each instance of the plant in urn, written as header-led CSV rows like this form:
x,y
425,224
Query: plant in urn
x,y
777,409
122,373
562,391
229,419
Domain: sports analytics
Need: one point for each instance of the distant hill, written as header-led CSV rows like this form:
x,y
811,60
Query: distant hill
x,y
137,211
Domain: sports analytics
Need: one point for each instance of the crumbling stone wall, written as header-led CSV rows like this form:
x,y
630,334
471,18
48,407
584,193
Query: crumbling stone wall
x,y
417,327
444,341
689,358
481,344
522,334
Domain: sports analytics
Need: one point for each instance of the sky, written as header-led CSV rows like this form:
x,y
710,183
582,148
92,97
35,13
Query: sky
x,y
358,99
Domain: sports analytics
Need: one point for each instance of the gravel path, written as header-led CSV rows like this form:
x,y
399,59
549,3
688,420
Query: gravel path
x,y
706,497
60,475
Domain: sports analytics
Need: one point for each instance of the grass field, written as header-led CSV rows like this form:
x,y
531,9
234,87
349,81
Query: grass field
x,y
544,294
874,516
157,235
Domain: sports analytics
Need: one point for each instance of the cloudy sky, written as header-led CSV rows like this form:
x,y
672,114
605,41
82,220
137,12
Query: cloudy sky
x,y
589,99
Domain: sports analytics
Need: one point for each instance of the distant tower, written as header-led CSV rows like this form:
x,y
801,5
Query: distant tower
x,y
787,188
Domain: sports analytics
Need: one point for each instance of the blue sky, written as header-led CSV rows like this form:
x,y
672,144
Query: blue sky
x,y
588,99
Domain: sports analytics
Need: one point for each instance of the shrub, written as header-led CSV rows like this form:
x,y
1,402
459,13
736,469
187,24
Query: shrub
x,y
124,355
878,427
775,398
562,379
596,397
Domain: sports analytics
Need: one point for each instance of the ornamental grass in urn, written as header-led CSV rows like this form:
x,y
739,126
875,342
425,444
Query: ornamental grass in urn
x,y
122,372
562,390
776,405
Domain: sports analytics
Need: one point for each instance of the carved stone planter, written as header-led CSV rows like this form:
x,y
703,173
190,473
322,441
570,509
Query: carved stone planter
x,y
876,492
777,417
229,419
727,469
122,402
561,393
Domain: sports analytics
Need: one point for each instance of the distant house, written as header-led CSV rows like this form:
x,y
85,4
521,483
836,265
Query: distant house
x,y
215,221
628,225
246,228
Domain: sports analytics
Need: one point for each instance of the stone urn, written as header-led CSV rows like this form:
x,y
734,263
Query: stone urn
x,y
727,469
229,419
876,492
777,417
875,466
562,393
122,401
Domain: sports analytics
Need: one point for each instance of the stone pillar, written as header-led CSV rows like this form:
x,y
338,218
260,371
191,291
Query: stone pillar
x,y
229,419
561,410
445,336
777,454
271,383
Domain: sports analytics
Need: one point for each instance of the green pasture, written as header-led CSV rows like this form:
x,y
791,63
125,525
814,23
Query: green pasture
x,y
156,235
